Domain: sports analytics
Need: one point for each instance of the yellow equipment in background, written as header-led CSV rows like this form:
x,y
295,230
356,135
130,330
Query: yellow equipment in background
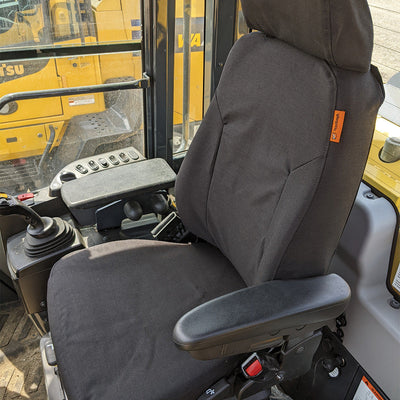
x,y
40,136
382,171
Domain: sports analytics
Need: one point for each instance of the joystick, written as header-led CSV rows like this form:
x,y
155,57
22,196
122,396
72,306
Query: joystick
x,y
31,255
43,234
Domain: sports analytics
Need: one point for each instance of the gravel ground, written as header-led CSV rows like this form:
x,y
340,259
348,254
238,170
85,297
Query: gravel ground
x,y
21,374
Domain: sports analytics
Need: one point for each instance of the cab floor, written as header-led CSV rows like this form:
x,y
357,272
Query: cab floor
x,y
21,374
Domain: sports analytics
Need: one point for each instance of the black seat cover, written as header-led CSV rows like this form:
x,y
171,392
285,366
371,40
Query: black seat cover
x,y
267,163
113,310
262,182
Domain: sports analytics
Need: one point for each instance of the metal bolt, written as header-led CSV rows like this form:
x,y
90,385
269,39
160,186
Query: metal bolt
x,y
43,304
395,304
40,135
280,376
370,196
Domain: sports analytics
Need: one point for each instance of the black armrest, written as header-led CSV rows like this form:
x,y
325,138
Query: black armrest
x,y
113,184
260,316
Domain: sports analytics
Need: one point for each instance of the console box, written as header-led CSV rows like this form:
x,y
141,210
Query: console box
x,y
30,275
85,195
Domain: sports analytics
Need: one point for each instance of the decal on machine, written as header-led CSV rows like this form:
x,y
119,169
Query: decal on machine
x,y
81,100
18,69
197,34
396,280
366,391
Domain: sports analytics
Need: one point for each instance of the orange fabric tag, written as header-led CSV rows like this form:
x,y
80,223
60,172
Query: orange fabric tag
x,y
337,126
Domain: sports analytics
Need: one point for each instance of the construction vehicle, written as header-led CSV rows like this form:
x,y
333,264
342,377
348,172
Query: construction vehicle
x,y
40,136
96,205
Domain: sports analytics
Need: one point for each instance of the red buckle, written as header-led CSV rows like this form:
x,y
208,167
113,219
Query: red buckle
x,y
25,196
252,366
254,369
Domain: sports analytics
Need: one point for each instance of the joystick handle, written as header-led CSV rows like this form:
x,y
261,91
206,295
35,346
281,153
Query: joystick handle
x,y
38,226
44,235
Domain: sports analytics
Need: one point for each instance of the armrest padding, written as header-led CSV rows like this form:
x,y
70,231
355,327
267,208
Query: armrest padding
x,y
258,316
126,181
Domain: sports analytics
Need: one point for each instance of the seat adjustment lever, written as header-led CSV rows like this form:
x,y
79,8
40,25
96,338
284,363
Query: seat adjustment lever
x,y
220,390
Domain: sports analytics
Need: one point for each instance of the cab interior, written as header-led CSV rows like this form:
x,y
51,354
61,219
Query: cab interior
x,y
221,220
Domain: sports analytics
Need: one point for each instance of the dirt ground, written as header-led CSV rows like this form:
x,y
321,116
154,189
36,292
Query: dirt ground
x,y
21,374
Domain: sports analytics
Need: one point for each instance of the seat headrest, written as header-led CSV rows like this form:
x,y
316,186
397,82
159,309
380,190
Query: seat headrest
x,y
338,31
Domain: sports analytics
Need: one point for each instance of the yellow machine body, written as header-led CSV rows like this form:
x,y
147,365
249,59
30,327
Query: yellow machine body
x,y
385,177
25,125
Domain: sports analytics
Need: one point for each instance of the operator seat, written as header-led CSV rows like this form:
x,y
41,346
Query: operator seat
x,y
267,184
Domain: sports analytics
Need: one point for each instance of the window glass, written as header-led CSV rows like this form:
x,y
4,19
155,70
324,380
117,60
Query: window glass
x,y
49,23
188,73
39,137
241,27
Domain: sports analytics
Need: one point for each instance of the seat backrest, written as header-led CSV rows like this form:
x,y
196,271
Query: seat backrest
x,y
266,178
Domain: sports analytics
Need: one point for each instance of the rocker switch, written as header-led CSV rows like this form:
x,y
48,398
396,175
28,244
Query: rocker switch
x,y
93,165
80,168
133,155
103,162
123,157
114,160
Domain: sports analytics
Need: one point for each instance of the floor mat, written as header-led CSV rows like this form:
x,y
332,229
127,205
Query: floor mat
x,y
21,375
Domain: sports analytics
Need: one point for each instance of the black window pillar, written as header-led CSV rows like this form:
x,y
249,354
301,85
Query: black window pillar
x,y
158,18
219,39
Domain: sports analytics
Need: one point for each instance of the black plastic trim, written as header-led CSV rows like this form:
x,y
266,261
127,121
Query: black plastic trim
x,y
63,51
254,317
224,37
123,182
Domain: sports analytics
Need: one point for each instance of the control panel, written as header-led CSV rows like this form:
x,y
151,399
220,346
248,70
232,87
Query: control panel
x,y
93,164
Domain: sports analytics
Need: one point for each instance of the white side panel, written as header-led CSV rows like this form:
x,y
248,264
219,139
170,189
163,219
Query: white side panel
x,y
362,259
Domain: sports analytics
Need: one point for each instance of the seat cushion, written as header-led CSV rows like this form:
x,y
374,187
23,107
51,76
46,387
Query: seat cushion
x,y
112,310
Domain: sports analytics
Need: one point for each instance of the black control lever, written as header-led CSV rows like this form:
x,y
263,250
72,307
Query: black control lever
x,y
44,235
38,226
